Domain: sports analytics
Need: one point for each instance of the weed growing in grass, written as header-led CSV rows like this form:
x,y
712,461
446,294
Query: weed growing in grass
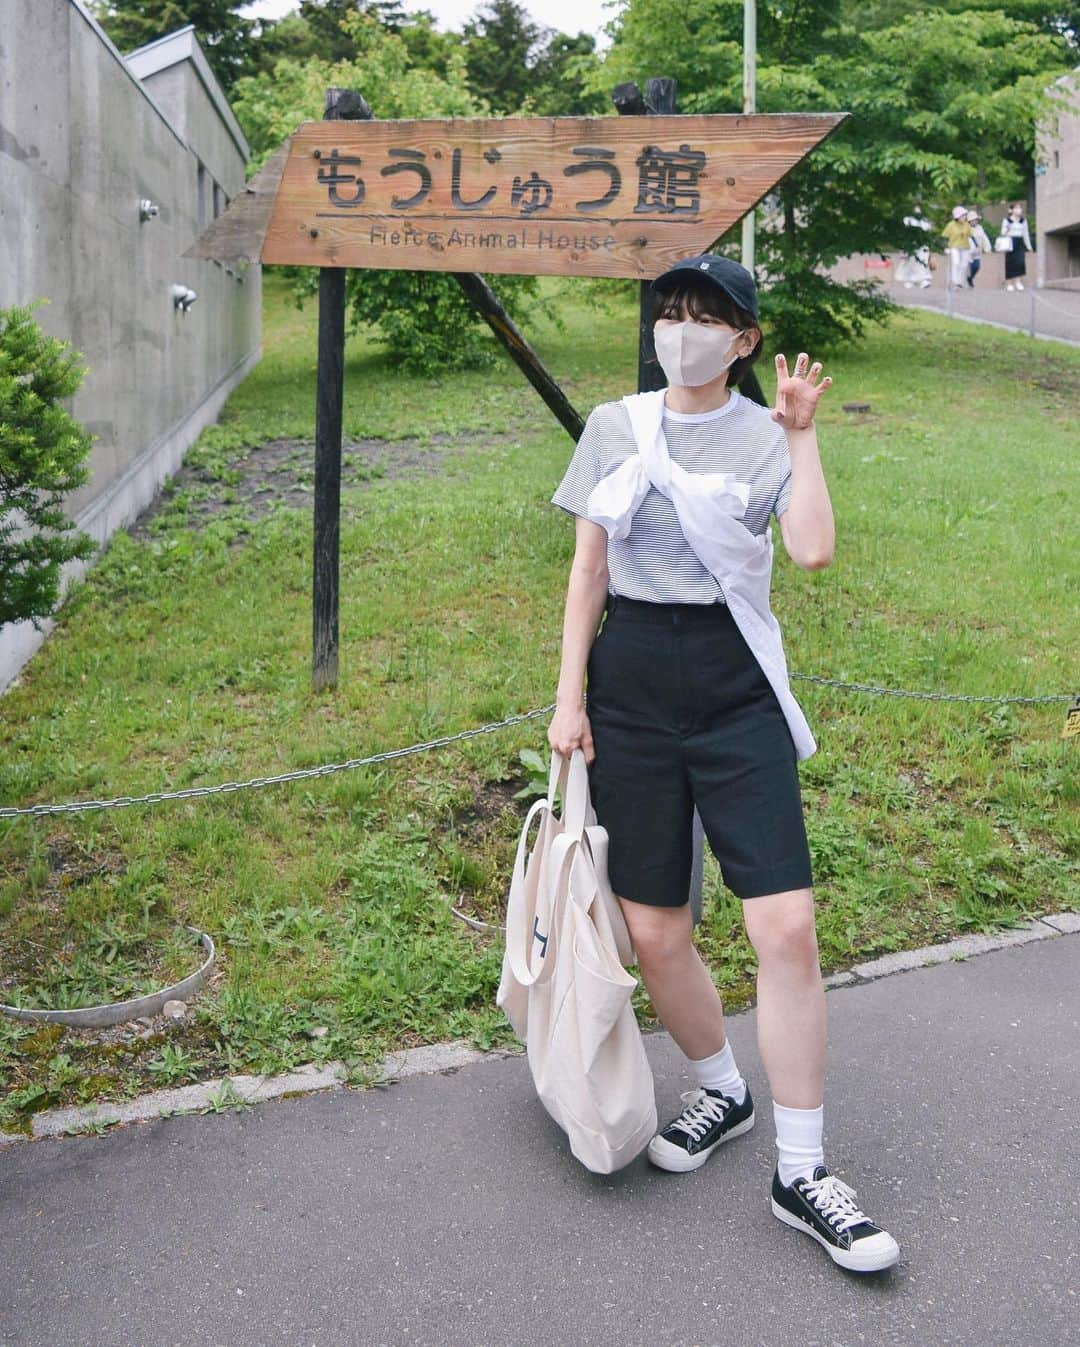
x,y
226,1099
173,1065
94,1127
538,768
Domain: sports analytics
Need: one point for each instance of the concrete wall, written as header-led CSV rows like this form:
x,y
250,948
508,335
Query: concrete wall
x,y
1057,193
81,141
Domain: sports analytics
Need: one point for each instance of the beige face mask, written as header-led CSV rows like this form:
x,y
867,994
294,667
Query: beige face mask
x,y
692,354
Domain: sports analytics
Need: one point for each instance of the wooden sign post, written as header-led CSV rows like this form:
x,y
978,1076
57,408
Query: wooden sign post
x,y
659,99
329,402
566,196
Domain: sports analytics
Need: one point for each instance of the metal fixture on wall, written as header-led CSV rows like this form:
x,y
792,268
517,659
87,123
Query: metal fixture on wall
x,y
182,297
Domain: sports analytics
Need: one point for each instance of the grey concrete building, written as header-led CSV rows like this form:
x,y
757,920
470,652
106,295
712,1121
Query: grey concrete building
x,y
110,166
1057,194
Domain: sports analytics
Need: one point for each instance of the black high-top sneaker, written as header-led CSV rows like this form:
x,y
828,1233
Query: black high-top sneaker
x,y
708,1119
825,1209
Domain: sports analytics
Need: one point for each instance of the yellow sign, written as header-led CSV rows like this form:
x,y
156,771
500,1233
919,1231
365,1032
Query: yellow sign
x,y
584,196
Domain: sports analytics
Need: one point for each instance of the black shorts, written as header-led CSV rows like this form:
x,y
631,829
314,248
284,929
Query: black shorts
x,y
682,715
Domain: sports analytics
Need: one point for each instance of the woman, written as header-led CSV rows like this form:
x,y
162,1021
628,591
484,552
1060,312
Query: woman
x,y
980,243
957,236
685,710
1014,227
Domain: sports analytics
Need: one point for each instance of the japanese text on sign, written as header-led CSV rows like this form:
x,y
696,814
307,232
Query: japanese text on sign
x,y
667,181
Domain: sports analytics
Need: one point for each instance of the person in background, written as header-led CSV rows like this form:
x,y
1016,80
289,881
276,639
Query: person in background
x,y
957,236
1014,227
919,225
913,267
979,244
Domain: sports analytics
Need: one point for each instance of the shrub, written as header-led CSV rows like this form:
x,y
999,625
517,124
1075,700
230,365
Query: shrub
x,y
807,311
42,457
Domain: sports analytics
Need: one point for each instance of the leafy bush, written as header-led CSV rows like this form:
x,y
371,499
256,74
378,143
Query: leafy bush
x,y
42,458
807,311
423,318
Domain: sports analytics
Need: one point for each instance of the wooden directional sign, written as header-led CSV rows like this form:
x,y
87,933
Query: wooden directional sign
x,y
568,196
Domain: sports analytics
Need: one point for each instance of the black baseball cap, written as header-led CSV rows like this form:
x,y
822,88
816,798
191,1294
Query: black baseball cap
x,y
729,277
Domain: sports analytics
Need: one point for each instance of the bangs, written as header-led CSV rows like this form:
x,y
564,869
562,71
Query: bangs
x,y
703,300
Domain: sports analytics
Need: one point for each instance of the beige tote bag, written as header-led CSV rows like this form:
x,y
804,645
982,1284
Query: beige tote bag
x,y
564,986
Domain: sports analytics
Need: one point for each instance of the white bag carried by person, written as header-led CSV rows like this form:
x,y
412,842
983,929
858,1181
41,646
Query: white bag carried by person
x,y
564,986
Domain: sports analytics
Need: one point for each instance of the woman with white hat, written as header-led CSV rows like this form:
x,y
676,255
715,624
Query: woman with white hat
x,y
980,243
957,236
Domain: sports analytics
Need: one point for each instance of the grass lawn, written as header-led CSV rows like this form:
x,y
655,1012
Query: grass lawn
x,y
185,660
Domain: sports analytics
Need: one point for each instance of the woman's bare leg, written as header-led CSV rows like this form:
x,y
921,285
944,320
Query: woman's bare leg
x,y
679,985
791,998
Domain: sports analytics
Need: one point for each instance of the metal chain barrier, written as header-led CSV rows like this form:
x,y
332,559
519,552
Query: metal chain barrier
x,y
931,696
302,774
306,773
1040,298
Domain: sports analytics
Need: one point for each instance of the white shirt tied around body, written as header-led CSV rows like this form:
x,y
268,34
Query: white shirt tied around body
x,y
709,507
654,562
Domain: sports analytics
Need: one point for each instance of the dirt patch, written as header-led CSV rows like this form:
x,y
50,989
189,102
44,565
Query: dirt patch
x,y
280,473
477,855
490,804
1065,380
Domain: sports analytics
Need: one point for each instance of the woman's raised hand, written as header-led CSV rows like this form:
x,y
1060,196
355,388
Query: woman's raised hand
x,y
797,394
569,729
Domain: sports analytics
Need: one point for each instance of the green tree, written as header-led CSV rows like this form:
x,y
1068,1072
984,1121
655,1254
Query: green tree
x,y
42,458
518,67
423,318
564,78
325,19
287,39
943,105
1059,20
224,34
428,48
499,43
315,31
271,105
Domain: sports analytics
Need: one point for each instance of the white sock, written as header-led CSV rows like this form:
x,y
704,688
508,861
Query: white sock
x,y
719,1072
798,1139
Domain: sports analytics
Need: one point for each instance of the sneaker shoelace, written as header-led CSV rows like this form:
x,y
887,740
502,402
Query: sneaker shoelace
x,y
701,1112
836,1202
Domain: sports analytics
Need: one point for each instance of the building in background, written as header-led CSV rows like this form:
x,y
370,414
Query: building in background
x,y
1057,194
110,166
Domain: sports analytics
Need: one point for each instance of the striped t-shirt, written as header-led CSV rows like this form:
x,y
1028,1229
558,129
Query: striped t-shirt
x,y
655,562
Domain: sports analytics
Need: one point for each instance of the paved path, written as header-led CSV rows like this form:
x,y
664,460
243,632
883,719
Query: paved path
x,y
446,1211
1056,313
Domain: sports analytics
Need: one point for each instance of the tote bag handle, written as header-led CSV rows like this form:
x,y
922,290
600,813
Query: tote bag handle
x,y
571,776
529,904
